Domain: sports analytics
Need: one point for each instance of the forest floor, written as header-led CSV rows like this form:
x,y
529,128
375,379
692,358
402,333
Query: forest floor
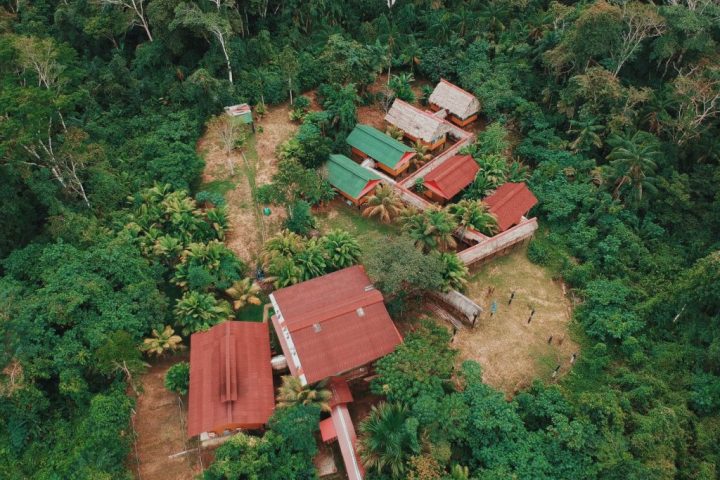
x,y
160,426
512,351
248,226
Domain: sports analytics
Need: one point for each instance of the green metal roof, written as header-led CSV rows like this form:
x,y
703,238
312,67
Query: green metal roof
x,y
348,176
377,145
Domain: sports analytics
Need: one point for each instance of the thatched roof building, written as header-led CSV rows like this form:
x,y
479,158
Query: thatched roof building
x,y
462,106
417,124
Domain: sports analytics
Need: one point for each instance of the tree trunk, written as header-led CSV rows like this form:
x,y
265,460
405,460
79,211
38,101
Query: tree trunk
x,y
227,57
290,90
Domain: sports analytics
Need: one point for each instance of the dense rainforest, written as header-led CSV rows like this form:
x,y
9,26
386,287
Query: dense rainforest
x,y
612,105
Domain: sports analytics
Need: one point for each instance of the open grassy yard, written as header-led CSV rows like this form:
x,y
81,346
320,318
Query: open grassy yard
x,y
368,231
512,351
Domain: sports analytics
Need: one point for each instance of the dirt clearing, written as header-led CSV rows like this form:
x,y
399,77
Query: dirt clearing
x,y
512,351
248,225
160,425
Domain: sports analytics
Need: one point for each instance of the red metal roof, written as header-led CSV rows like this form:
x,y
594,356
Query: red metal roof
x,y
452,176
509,203
332,324
340,392
327,430
231,383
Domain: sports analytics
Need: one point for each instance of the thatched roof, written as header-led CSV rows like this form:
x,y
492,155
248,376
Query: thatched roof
x,y
415,122
455,100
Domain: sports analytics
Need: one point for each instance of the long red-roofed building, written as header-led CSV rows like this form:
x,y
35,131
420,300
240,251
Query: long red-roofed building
x,y
447,180
509,203
332,324
231,384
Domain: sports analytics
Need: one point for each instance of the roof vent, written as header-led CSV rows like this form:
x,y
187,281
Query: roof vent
x,y
317,327
360,312
369,288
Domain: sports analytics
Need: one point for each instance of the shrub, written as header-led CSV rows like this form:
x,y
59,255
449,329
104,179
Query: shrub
x,y
177,378
300,220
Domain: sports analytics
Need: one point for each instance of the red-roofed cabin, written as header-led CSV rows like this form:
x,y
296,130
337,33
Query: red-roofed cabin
x,y
231,384
447,180
332,324
509,203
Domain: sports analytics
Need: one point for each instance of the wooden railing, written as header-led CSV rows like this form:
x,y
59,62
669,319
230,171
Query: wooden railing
x,y
499,242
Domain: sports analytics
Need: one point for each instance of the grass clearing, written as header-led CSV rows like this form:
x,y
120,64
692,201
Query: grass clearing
x,y
512,351
368,231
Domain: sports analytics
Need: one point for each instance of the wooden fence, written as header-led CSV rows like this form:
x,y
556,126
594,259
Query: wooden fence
x,y
467,310
499,242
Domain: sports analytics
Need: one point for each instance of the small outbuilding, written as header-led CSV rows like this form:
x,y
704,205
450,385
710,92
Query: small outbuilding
x,y
453,175
332,325
391,156
350,179
510,203
231,383
462,106
241,111
418,125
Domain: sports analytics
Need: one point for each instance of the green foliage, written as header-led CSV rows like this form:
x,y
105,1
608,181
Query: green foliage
x,y
397,268
421,366
300,220
196,311
455,273
401,88
432,230
208,266
177,378
285,451
388,436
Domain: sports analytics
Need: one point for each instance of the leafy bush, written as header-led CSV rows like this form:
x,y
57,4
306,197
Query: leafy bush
x,y
177,378
301,220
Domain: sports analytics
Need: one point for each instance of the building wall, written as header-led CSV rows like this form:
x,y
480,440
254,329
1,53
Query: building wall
x,y
462,123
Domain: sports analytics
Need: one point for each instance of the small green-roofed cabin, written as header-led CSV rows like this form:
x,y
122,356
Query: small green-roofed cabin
x,y
391,156
350,179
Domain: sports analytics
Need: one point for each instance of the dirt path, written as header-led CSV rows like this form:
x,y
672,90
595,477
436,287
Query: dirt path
x,y
512,351
258,165
160,426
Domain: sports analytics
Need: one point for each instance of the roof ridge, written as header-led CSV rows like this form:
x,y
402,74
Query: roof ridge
x,y
368,174
422,112
459,89
513,189
333,311
387,139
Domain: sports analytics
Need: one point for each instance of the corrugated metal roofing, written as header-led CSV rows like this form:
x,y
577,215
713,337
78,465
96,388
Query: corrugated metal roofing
x,y
349,177
231,383
332,324
509,203
452,176
377,145
455,100
416,122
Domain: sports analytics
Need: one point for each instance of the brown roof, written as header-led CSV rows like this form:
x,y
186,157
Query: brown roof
x,y
332,324
454,99
509,203
452,176
417,123
231,383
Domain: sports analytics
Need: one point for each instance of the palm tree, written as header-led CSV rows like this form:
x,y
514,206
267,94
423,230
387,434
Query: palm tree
x,y
395,132
284,244
292,393
162,342
474,214
494,168
384,203
284,272
480,187
432,230
633,162
588,133
422,155
455,273
342,250
517,172
311,260
387,439
196,311
244,292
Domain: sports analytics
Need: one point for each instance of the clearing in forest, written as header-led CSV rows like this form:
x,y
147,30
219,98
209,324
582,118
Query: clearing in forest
x,y
248,226
512,351
159,423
